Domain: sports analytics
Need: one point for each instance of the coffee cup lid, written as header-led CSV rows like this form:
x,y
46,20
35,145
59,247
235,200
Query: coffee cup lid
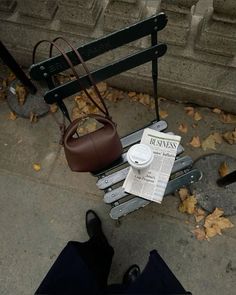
x,y
140,155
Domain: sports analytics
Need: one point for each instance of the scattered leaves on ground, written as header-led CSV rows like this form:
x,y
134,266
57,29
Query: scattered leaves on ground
x,y
21,93
12,116
183,128
212,223
223,169
230,136
228,118
195,142
36,167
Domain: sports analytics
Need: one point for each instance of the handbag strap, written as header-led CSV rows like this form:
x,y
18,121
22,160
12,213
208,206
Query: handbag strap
x,y
71,66
105,111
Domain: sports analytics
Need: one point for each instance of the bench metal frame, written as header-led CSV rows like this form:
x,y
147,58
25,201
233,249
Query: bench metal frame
x,y
110,180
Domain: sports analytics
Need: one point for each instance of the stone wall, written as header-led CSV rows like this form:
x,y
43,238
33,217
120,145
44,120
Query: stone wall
x,y
199,67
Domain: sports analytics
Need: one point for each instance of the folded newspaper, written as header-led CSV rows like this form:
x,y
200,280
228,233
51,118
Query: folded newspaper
x,y
152,185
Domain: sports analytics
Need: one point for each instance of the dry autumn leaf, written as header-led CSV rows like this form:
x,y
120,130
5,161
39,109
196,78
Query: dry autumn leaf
x,y
183,128
183,193
163,114
36,167
189,111
33,117
144,99
209,143
12,116
199,234
90,127
195,142
76,113
216,111
21,93
53,108
102,86
223,169
188,205
131,94
199,214
197,116
214,223
230,136
228,118
218,137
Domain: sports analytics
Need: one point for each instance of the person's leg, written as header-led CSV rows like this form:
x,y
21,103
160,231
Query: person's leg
x,y
97,255
156,278
81,268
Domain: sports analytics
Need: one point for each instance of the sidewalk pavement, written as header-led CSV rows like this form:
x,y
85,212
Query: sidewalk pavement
x,y
42,211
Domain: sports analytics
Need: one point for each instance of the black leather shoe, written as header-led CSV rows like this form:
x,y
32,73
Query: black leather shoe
x,y
131,274
93,224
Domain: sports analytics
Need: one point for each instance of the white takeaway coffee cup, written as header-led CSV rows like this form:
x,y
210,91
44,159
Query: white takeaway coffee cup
x,y
140,157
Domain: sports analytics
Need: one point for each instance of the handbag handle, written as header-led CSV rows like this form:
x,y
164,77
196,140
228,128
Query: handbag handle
x,y
71,66
71,129
106,113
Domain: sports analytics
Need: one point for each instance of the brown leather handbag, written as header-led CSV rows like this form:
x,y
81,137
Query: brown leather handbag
x,y
95,150
98,149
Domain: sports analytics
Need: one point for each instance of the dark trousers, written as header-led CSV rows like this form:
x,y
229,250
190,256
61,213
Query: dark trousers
x,y
83,268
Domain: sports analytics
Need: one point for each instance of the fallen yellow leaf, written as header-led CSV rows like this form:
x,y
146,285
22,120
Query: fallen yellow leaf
x,y
195,142
228,118
53,108
76,113
131,94
197,116
199,214
33,117
144,99
188,205
223,169
218,137
21,93
163,114
189,111
199,234
102,86
214,223
183,193
209,143
230,136
211,232
216,111
37,167
12,116
91,127
183,128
